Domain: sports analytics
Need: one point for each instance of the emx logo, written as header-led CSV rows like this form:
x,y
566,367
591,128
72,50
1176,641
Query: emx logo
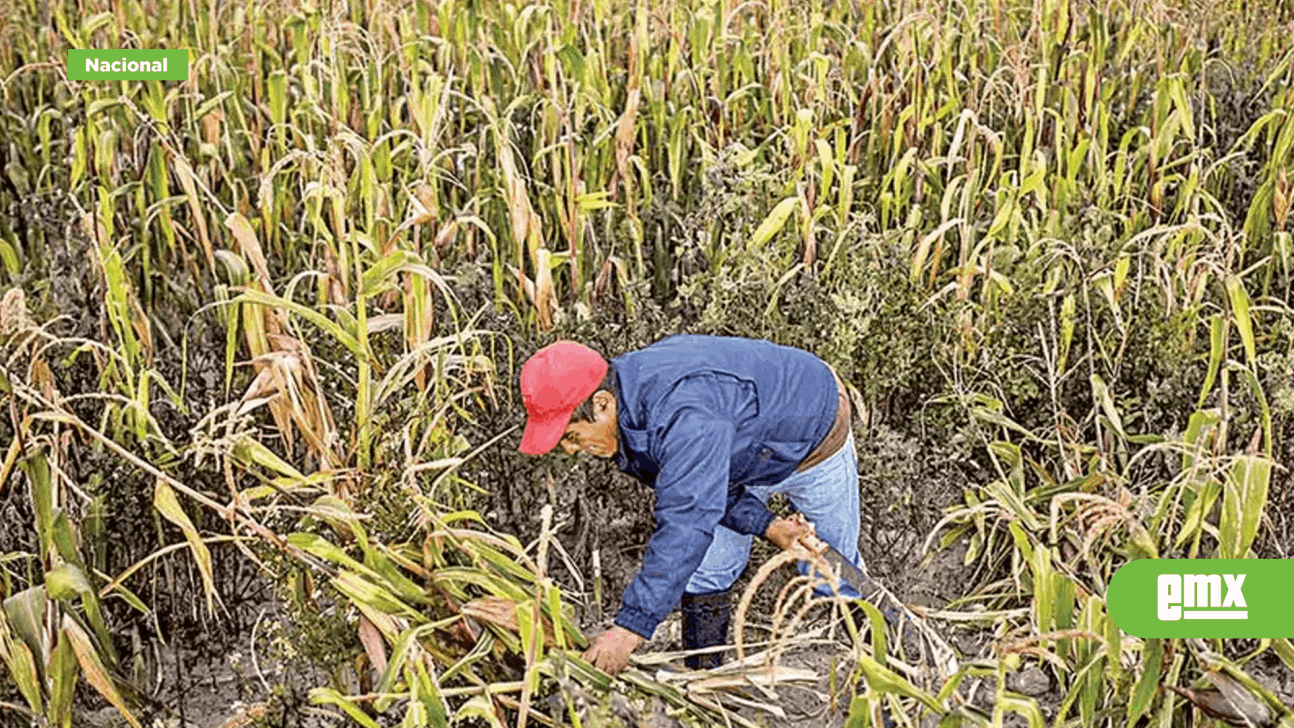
x,y
1203,598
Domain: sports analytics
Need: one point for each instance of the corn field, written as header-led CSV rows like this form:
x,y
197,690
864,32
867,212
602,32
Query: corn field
x,y
261,331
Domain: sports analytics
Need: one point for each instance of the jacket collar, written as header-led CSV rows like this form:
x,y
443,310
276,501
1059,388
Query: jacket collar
x,y
632,439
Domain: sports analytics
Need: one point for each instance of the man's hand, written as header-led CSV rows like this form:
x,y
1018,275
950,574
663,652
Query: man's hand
x,y
785,532
611,650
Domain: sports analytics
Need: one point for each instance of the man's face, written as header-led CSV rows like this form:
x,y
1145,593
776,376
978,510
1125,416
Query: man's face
x,y
599,437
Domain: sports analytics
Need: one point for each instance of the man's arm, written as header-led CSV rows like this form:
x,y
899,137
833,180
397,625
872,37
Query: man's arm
x,y
691,494
747,515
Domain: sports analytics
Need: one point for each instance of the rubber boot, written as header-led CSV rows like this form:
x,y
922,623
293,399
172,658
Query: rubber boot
x,y
705,624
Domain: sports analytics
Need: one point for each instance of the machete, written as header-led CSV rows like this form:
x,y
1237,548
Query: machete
x,y
831,564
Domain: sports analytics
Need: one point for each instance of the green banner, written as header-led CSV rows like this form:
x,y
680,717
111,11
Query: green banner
x,y
121,64
1204,598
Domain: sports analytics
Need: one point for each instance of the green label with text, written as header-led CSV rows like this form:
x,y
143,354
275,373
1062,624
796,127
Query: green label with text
x,y
1203,598
95,64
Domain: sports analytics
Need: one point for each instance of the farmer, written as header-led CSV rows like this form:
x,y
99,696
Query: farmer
x,y
715,425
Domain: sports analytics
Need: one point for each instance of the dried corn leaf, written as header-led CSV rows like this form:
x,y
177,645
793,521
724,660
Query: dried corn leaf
x,y
188,181
371,639
246,716
502,613
93,670
767,677
168,505
250,247
21,666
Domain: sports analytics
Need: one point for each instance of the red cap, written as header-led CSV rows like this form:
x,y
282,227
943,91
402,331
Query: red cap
x,y
553,383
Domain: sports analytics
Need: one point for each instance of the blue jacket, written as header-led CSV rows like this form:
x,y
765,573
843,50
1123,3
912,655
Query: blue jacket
x,y
701,418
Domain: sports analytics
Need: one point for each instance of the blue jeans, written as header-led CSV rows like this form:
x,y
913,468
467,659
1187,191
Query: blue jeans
x,y
827,494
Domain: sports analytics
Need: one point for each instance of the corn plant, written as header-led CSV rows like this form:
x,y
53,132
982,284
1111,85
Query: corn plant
x,y
53,632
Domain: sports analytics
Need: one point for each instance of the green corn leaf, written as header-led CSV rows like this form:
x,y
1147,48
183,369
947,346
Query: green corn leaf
x,y
66,581
591,201
1166,710
922,253
878,625
478,707
1148,684
406,645
1142,541
378,278
367,594
26,614
1022,542
481,650
553,606
21,666
826,164
1067,323
210,104
1113,647
506,566
1240,310
427,694
1284,650
1217,328
392,578
100,106
530,629
1244,496
1201,421
1044,593
1121,268
1064,591
1265,410
1201,505
130,598
773,223
80,156
249,295
453,578
61,682
329,696
36,467
1027,707
95,22
1012,502
1177,93
884,680
325,549
1001,218
234,267
995,416
64,538
9,258
845,200
249,450
859,706
1106,400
